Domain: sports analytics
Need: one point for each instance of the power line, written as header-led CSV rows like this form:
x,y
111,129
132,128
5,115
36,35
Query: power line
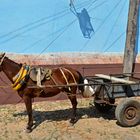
x,y
38,41
105,19
58,30
56,38
86,43
30,24
34,26
110,33
110,13
100,4
40,20
115,41
91,4
31,28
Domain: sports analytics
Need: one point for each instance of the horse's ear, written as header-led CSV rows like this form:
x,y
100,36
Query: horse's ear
x,y
2,54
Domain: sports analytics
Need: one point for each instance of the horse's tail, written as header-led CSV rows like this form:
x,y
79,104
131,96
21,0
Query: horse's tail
x,y
81,81
87,91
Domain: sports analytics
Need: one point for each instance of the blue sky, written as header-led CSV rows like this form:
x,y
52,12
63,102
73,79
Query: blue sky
x,y
42,26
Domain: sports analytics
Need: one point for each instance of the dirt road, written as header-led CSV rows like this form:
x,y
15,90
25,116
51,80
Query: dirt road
x,y
52,123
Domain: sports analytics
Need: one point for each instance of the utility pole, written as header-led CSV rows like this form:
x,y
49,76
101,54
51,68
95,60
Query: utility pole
x,y
129,52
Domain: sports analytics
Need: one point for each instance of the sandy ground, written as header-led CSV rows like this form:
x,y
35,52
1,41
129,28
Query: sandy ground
x,y
52,123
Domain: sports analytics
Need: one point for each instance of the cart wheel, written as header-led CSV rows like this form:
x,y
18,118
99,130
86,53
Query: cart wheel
x,y
103,107
128,112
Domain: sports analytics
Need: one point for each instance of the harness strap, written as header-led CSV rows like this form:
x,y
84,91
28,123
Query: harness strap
x,y
71,75
53,79
66,77
21,78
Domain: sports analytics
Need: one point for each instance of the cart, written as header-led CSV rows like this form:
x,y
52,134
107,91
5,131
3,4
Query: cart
x,y
111,87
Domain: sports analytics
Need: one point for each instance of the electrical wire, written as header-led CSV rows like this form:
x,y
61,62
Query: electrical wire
x,y
43,39
110,13
86,43
115,41
92,3
110,33
105,19
99,5
55,39
50,19
31,28
40,20
59,30
73,5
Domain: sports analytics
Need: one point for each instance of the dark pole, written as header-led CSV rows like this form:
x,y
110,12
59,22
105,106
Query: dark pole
x,y
129,52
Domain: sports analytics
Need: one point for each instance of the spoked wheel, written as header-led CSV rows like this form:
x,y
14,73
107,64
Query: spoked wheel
x,y
128,112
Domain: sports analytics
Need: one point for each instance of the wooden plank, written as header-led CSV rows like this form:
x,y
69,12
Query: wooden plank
x,y
131,38
111,78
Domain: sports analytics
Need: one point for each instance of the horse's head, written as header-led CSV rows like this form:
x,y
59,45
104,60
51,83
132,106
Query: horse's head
x,y
2,56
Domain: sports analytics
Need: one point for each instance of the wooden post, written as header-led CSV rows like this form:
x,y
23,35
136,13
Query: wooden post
x,y
129,53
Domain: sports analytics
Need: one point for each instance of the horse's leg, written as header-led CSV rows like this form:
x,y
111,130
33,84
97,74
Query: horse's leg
x,y
73,100
28,103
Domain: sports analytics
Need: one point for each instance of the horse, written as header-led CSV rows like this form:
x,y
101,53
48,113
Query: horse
x,y
59,76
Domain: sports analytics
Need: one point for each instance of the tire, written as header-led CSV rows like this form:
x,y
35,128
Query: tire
x,y
103,107
127,112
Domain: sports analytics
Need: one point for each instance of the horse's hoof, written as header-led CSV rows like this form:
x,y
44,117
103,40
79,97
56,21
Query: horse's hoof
x,y
71,124
28,130
73,121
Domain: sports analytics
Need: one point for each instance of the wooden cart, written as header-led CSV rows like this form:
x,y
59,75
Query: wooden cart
x,y
111,87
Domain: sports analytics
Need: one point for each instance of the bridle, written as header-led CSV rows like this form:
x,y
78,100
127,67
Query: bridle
x,y
2,59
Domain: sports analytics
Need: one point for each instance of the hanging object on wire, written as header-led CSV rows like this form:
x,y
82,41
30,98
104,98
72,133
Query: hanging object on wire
x,y
84,20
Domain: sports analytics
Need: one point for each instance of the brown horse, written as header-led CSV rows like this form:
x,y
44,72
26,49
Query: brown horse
x,y
63,76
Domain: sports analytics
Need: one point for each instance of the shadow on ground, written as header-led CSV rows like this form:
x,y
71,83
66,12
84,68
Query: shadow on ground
x,y
65,114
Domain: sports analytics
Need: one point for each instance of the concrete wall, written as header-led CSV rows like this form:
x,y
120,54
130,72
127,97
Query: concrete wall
x,y
87,63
